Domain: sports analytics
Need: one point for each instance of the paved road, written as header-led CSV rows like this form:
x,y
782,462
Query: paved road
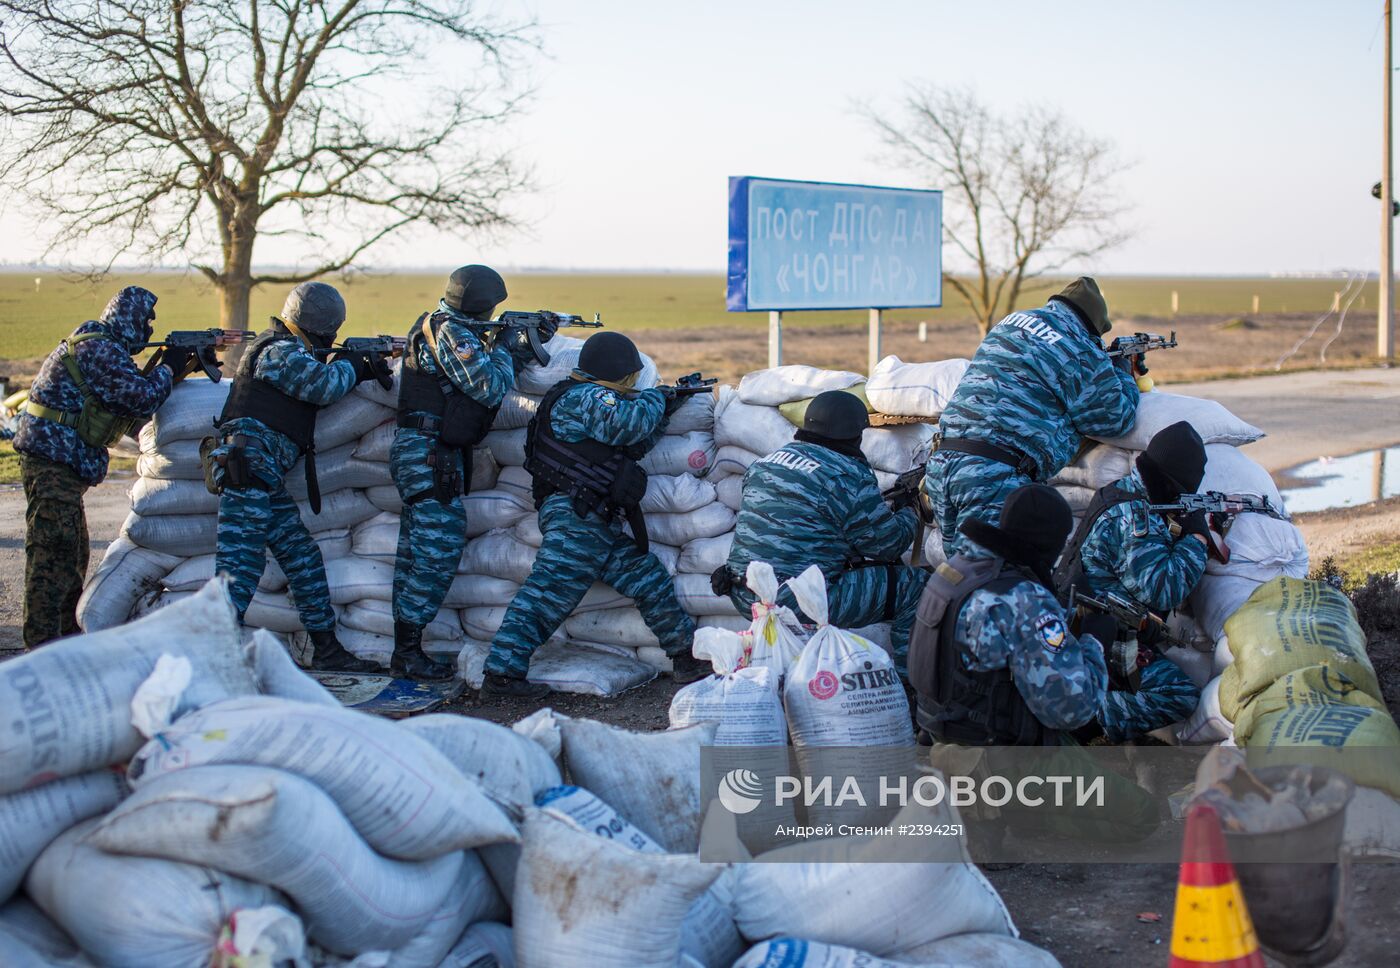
x,y
1311,415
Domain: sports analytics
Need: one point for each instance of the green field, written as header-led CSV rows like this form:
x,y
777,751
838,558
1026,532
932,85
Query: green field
x,y
33,319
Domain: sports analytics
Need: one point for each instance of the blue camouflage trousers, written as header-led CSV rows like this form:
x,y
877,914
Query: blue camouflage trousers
x,y
962,486
432,535
1165,695
576,552
857,598
251,521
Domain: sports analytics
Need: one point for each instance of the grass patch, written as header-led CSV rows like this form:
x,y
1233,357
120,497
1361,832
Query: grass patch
x,y
1352,571
1238,323
9,464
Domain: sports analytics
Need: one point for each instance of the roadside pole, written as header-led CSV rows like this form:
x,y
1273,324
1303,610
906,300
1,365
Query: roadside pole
x,y
775,339
876,319
1385,322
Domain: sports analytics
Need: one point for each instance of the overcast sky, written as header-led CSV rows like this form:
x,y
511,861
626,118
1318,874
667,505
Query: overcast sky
x,y
1254,126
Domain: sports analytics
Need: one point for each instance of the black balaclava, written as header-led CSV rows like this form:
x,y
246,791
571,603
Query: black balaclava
x,y
1035,523
1173,463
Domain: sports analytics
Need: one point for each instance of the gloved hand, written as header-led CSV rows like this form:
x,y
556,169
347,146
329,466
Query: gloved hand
x,y
180,359
516,340
674,401
549,325
1124,363
1102,627
1196,523
362,361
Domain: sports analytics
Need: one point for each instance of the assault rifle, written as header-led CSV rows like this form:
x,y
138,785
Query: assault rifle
x,y
907,492
382,347
1133,347
530,322
1218,502
204,342
1122,656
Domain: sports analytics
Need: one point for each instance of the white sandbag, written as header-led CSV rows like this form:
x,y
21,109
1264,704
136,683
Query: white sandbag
x,y
1078,498
279,676
1158,410
652,779
676,494
1372,826
527,531
151,496
666,553
697,413
485,470
376,538
1231,471
710,521
493,510
913,389
486,944
519,483
897,449
352,579
402,795
692,453
348,419
187,414
960,951
1194,663
703,555
601,597
1262,548
334,542
182,535
338,470
385,397
273,611
1215,598
842,690
472,898
137,912
177,461
730,491
777,639
126,572
759,429
516,410
385,498
477,591
708,934
934,555
784,384
697,598
507,447
1221,656
370,646
31,819
497,553
584,902
852,891
564,667
1207,724
30,939
340,510
377,616
192,574
620,626
1099,466
742,700
69,703
510,768
563,357
276,828
374,446
732,460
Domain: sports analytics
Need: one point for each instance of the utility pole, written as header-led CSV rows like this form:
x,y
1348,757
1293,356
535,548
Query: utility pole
x,y
1385,322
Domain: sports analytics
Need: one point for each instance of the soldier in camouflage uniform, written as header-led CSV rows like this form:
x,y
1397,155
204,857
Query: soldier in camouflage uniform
x,y
1007,618
268,423
585,440
61,455
1039,382
1125,549
455,374
816,502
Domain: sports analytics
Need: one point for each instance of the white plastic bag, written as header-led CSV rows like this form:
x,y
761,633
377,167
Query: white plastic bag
x,y
742,700
913,389
777,638
843,690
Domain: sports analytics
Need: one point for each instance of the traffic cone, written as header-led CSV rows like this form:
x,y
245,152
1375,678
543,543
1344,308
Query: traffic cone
x,y
1211,926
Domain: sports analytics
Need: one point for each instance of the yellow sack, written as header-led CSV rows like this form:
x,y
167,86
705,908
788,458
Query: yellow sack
x,y
796,412
1319,709
1286,625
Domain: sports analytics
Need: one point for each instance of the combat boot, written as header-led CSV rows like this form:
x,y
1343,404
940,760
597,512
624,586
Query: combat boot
x,y
328,655
686,668
408,660
516,687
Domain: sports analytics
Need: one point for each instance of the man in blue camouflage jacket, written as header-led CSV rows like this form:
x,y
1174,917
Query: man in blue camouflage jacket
x,y
268,423
61,455
1125,549
583,447
455,375
1040,381
816,502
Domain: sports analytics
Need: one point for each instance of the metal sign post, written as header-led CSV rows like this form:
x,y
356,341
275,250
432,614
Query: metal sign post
x,y
797,245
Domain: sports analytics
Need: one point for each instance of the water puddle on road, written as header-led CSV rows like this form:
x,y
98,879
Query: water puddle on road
x,y
1342,482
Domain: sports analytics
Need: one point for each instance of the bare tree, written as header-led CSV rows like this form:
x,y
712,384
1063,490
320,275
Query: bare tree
x,y
1025,195
190,127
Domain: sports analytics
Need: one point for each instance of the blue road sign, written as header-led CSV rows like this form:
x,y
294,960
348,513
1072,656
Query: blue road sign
x,y
818,245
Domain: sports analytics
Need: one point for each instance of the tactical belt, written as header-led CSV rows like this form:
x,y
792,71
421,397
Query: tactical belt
x,y
426,422
68,418
980,448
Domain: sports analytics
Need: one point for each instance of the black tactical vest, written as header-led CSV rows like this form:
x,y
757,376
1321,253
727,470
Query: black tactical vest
x,y
461,422
282,412
1069,572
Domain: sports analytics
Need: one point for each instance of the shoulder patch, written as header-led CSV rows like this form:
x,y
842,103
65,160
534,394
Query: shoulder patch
x,y
464,348
608,398
1050,629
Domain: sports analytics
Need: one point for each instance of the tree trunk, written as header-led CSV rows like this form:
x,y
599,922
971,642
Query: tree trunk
x,y
233,303
235,288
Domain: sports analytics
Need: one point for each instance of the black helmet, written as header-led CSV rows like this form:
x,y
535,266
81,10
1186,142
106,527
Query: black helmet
x,y
475,290
836,415
609,356
314,308
1088,303
1035,523
1173,463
